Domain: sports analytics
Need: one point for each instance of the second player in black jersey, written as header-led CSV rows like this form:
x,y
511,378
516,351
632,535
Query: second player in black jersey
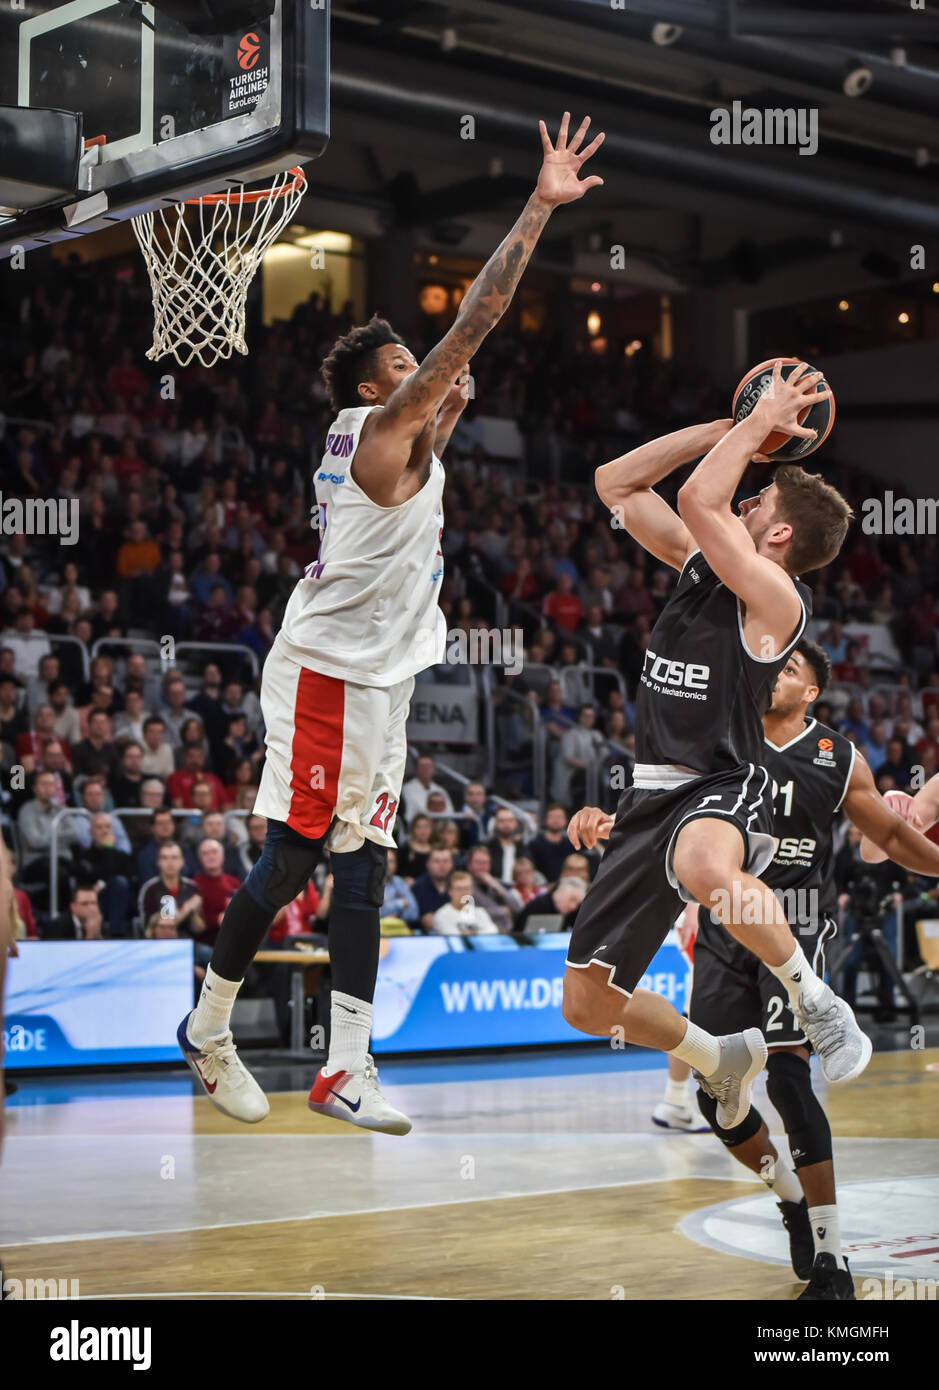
x,y
695,824
815,772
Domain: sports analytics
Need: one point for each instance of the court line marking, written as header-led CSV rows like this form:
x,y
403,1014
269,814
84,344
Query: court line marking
x,y
221,1294
361,1211
128,1233
694,1228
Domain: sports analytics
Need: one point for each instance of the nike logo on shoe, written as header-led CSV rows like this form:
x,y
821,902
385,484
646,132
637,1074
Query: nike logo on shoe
x,y
347,1009
797,977
820,1231
209,1085
352,1107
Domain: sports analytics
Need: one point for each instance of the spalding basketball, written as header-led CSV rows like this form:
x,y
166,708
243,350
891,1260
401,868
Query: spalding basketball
x,y
784,448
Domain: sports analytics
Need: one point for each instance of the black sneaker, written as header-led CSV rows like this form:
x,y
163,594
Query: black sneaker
x,y
829,1284
795,1218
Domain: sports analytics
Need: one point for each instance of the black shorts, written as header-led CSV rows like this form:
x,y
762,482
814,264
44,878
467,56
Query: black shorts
x,y
732,990
635,897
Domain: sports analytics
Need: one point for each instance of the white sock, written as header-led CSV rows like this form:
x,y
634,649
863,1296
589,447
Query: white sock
x,y
826,1232
699,1049
676,1093
350,1030
212,1015
799,979
782,1180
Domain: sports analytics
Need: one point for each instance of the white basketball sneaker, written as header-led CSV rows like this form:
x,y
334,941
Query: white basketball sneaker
x,y
356,1096
682,1117
225,1079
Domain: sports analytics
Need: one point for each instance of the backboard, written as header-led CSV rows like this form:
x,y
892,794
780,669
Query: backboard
x,y
182,115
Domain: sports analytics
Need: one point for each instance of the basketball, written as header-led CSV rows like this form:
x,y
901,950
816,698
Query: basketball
x,y
784,448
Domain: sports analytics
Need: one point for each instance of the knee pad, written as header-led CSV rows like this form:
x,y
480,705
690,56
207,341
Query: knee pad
x,y
730,1138
283,871
359,877
789,1087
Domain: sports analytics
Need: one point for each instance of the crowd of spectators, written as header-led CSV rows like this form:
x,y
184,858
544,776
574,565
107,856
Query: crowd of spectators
x,y
192,490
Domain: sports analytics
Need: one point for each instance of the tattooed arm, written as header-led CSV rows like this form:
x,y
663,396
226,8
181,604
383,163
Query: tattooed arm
x,y
384,451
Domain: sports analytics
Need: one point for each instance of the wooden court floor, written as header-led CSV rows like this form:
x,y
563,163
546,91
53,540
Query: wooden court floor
x,y
606,1240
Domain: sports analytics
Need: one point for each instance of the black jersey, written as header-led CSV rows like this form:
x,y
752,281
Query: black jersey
x,y
702,694
810,779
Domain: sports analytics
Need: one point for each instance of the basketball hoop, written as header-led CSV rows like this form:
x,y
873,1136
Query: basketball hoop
x,y
200,269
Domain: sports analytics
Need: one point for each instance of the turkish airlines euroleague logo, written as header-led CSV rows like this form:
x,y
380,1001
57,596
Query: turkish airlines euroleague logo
x,y
826,753
247,70
249,50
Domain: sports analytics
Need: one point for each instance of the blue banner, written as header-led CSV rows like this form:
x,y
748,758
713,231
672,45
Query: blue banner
x,y
431,997
93,1003
97,1003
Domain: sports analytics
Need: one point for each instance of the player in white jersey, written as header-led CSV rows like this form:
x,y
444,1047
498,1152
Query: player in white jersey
x,y
336,686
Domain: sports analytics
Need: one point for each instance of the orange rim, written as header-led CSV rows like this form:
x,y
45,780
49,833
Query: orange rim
x,y
293,187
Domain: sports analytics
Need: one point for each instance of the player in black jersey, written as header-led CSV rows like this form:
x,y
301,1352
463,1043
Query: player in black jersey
x,y
695,824
815,771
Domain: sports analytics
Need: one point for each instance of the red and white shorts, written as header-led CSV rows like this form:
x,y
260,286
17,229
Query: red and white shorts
x,y
334,751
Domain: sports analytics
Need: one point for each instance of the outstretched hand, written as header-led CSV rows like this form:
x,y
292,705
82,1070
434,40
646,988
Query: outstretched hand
x,y
558,181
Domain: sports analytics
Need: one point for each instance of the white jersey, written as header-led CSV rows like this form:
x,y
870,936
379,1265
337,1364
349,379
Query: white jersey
x,y
366,610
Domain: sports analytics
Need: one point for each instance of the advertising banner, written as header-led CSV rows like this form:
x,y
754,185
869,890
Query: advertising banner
x,y
92,1003
431,997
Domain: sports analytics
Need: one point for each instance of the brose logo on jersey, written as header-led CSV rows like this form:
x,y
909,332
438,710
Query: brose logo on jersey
x,y
683,678
791,848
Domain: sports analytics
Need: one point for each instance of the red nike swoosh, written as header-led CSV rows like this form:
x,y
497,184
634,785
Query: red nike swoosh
x,y
209,1086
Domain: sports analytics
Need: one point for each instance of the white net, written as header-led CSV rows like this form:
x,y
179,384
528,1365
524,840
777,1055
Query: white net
x,y
201,258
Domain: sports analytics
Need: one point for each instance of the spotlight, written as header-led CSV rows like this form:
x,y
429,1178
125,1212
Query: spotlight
x,y
857,81
843,305
665,34
903,318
